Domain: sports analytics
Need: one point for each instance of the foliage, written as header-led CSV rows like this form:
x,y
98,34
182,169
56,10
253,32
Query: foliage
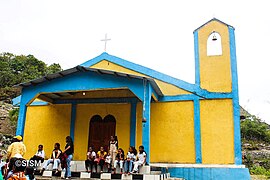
x,y
13,116
265,163
16,69
53,68
253,129
248,161
259,170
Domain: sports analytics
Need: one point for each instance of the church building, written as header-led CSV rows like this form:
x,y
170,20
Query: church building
x,y
192,130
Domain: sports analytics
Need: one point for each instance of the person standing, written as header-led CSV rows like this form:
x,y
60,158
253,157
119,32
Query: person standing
x,y
17,148
69,150
113,146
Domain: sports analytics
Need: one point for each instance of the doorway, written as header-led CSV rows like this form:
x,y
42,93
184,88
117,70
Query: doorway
x,y
100,131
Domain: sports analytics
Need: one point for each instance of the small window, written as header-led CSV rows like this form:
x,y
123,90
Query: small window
x,y
214,47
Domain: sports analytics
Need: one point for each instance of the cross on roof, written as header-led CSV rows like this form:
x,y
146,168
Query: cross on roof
x,y
105,41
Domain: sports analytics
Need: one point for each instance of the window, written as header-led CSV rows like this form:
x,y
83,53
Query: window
x,y
214,47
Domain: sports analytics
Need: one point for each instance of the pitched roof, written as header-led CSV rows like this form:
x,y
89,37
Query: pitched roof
x,y
143,70
67,72
214,19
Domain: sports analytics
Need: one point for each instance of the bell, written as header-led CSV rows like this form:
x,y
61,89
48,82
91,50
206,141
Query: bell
x,y
143,120
214,38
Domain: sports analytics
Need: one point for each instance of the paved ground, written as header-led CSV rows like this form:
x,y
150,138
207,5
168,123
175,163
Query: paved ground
x,y
47,178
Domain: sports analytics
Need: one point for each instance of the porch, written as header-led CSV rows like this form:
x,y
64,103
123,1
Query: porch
x,y
75,89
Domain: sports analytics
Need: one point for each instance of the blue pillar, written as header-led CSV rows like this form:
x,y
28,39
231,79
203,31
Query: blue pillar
x,y
146,119
25,99
133,107
236,107
72,120
197,58
21,119
197,131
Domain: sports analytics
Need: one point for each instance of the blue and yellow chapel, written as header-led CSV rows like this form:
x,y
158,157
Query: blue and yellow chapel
x,y
191,129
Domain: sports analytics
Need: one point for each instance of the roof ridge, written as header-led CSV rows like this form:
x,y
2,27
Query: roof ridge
x,y
142,69
213,19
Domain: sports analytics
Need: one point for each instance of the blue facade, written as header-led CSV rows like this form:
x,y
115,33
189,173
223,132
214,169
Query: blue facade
x,y
209,173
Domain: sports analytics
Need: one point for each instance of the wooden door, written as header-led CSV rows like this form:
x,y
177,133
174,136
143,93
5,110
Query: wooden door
x,y
100,131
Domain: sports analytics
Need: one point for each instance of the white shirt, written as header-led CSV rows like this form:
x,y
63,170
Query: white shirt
x,y
108,159
141,157
93,154
2,163
40,154
131,156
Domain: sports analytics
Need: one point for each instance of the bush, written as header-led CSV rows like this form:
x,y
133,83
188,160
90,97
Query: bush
x,y
259,170
13,116
254,129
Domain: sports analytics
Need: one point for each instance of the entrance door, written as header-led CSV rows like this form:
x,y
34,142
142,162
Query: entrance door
x,y
100,131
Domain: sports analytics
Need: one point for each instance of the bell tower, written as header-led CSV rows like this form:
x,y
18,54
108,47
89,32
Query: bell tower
x,y
213,56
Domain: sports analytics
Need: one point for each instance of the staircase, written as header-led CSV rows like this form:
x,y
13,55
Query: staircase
x,y
78,171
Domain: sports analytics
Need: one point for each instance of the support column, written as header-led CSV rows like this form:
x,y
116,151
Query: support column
x,y
236,106
21,119
146,119
133,107
25,100
72,120
197,131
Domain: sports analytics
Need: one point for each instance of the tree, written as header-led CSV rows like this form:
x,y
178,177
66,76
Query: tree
x,y
253,129
16,69
53,68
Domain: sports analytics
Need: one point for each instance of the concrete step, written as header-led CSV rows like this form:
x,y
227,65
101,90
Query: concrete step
x,y
107,176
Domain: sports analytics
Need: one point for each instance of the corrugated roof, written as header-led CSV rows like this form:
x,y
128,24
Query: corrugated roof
x,y
70,71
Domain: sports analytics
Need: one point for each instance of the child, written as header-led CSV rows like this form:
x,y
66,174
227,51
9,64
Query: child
x,y
113,146
131,157
90,161
141,158
119,159
17,171
108,161
101,158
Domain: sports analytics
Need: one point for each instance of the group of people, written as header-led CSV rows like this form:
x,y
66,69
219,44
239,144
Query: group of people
x,y
59,157
16,167
13,167
115,157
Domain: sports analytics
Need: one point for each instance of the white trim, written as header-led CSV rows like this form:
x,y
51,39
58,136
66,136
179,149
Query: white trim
x,y
168,165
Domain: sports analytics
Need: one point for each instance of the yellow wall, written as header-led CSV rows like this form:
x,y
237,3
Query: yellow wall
x,y
217,131
215,71
167,89
46,125
172,132
121,112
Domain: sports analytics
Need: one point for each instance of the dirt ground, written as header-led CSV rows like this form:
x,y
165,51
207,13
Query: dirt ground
x,y
258,177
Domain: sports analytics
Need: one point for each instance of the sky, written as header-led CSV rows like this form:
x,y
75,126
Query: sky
x,y
153,33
